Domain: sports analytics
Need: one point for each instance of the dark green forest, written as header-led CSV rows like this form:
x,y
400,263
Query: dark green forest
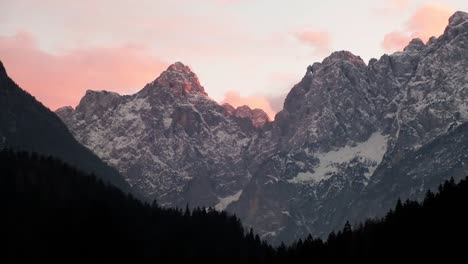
x,y
52,212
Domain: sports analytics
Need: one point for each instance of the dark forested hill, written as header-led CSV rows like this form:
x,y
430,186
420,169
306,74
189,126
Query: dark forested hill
x,y
26,124
53,212
436,227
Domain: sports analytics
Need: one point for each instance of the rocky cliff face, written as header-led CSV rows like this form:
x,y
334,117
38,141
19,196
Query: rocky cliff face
x,y
351,139
170,139
258,117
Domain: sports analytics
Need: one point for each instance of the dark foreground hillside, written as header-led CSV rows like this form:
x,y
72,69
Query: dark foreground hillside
x,y
436,227
52,212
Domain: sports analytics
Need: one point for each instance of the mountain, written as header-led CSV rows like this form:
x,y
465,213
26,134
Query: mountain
x,y
352,138
349,131
25,124
170,139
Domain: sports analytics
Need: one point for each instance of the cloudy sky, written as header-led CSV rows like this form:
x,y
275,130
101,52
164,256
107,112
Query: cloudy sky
x,y
244,51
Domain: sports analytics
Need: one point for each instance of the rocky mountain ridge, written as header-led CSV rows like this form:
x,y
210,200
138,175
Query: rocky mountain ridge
x,y
351,139
171,139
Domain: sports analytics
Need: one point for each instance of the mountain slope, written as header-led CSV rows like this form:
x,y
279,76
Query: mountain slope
x,y
25,124
332,154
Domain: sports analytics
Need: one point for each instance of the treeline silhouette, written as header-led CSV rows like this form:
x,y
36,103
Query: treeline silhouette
x,y
436,227
52,212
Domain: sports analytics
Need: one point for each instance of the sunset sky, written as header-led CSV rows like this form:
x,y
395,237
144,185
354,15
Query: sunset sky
x,y
244,51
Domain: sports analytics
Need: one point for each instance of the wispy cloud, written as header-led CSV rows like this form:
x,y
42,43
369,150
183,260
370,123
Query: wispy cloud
x,y
320,41
427,21
395,41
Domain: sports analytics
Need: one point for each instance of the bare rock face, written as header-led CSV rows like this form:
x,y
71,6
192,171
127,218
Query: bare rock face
x,y
230,110
351,139
180,80
258,117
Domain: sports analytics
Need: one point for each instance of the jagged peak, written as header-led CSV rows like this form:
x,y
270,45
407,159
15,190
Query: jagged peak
x,y
312,68
243,111
179,67
259,111
244,107
415,44
336,57
457,18
93,97
64,109
458,24
343,55
258,117
431,41
180,79
100,92
229,109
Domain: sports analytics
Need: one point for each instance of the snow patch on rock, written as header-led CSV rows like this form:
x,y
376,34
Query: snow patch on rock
x,y
224,202
370,152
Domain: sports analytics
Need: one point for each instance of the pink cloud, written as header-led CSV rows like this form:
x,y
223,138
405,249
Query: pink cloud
x,y
277,101
202,36
58,80
396,40
235,99
427,21
319,40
